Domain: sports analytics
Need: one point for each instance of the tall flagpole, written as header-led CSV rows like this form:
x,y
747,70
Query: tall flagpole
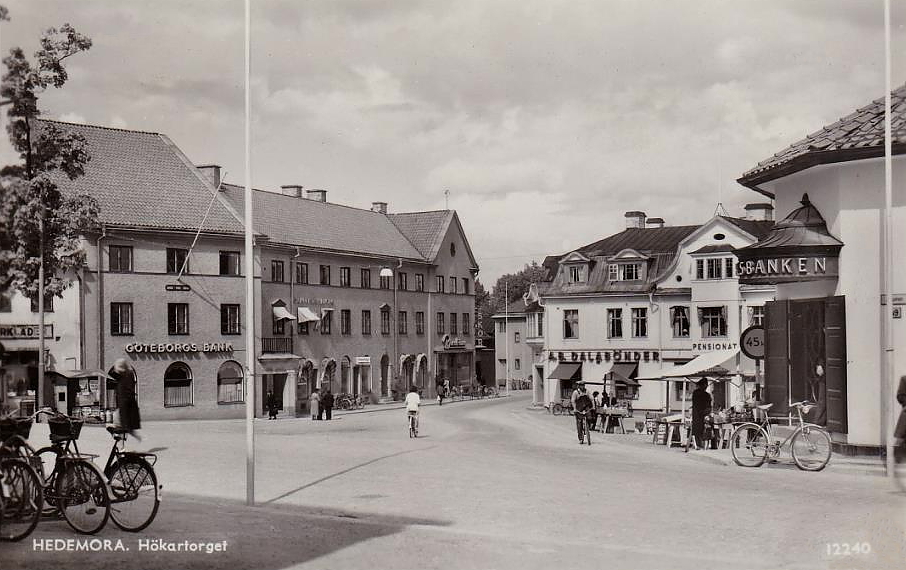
x,y
506,328
249,276
887,264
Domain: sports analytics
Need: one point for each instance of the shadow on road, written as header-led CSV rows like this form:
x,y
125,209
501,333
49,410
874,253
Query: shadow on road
x,y
268,537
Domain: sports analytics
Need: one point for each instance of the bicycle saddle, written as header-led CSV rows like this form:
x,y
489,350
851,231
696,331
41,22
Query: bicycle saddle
x,y
764,406
805,405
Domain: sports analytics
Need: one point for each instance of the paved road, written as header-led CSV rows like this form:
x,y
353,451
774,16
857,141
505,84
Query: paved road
x,y
489,484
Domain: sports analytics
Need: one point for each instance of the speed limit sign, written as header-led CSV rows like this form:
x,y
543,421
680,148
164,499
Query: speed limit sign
x,y
751,342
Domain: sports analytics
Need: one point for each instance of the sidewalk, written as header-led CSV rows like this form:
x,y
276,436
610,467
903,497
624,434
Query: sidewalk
x,y
400,404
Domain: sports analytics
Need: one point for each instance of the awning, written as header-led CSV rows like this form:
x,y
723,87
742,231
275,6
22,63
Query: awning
x,y
78,374
280,313
699,366
566,371
306,315
624,372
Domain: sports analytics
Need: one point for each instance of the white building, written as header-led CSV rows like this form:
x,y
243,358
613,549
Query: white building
x,y
646,299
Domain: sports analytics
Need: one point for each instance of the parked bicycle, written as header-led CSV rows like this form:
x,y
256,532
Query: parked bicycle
x,y
754,443
134,491
349,402
21,493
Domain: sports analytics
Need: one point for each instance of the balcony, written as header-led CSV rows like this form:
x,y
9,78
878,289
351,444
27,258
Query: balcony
x,y
274,345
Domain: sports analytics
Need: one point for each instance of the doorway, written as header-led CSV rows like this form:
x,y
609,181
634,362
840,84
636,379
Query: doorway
x,y
273,383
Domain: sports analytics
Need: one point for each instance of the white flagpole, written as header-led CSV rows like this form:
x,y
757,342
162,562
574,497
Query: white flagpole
x,y
506,328
249,276
887,263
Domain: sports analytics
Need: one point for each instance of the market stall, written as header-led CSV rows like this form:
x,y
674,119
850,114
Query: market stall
x,y
81,393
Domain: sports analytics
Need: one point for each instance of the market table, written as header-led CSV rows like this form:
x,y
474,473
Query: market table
x,y
609,415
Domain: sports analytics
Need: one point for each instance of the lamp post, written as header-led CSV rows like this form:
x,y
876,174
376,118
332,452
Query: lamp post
x,y
388,272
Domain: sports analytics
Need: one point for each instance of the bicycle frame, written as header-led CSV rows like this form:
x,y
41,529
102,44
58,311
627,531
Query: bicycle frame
x,y
774,444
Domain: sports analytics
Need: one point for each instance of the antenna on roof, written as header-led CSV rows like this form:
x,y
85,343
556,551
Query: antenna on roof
x,y
446,198
720,210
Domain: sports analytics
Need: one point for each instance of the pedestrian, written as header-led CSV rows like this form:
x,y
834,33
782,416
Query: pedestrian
x,y
314,401
701,407
581,404
900,431
327,403
446,387
597,403
818,385
271,405
129,416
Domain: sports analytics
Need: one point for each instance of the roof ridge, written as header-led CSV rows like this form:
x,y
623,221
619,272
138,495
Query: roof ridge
x,y
421,212
101,127
271,192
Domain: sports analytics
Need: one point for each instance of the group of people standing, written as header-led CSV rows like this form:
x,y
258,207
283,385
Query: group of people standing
x,y
321,404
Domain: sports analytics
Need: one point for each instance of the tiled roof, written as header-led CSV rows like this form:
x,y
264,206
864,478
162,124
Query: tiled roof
x,y
643,240
425,230
857,135
310,223
142,179
757,228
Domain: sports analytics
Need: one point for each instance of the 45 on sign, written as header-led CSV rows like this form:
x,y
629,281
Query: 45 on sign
x,y
751,342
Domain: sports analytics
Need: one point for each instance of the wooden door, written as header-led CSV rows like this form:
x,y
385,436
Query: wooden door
x,y
835,367
777,359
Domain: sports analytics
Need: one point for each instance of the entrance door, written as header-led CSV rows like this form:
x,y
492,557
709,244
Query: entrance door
x,y
303,388
273,383
385,375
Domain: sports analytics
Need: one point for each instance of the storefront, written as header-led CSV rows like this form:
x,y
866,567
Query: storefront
x,y
455,362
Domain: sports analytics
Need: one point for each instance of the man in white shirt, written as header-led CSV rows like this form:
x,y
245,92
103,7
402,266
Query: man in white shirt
x,y
413,400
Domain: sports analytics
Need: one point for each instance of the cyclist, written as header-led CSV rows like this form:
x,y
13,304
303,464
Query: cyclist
x,y
582,403
413,400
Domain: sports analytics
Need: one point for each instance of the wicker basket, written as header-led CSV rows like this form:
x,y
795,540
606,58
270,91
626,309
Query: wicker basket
x,y
14,426
65,427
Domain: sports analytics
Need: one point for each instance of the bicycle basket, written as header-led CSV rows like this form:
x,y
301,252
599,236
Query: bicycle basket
x,y
69,428
14,426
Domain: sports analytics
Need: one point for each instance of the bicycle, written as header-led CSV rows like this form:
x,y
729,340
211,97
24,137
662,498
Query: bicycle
x,y
73,486
413,423
754,443
134,490
583,428
21,493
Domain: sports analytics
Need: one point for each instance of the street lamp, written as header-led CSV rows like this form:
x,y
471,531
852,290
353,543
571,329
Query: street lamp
x,y
389,273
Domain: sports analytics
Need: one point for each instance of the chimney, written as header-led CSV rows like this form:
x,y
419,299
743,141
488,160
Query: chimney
x,y
761,211
211,172
294,190
317,195
635,219
379,207
655,222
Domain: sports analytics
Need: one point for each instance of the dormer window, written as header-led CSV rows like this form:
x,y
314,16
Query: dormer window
x,y
575,268
577,273
625,271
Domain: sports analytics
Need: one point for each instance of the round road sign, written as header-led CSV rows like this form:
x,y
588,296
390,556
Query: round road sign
x,y
751,342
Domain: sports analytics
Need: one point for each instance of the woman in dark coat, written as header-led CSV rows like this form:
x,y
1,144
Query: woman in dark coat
x,y
701,407
327,403
130,419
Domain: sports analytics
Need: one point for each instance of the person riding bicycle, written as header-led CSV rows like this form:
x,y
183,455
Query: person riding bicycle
x,y
413,400
582,403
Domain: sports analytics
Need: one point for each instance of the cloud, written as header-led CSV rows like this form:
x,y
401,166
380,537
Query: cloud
x,y
72,118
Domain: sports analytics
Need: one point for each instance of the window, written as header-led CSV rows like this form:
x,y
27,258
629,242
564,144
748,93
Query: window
x,y
345,321
277,271
713,267
465,285
440,323
517,364
325,275
699,268
613,272
229,383
345,277
419,322
176,259
177,386
540,324
385,281
453,285
466,327
279,327
177,318
229,319
419,282
121,258
713,321
120,319
402,322
630,271
48,304
365,276
728,267
576,273
439,284
453,328
366,323
640,322
301,273
6,302
229,263
385,321
571,323
679,319
501,326
516,337
326,322
614,323
757,316
402,281
303,329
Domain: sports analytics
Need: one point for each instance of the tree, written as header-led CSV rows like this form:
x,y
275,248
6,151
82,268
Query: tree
x,y
40,226
510,287
483,311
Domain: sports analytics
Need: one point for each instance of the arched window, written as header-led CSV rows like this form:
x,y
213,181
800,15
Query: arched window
x,y
229,383
177,385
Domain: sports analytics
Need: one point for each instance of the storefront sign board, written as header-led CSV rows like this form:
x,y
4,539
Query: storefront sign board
x,y
26,331
787,269
178,347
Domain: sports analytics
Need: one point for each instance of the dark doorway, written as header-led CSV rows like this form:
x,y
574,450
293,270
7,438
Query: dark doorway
x,y
273,383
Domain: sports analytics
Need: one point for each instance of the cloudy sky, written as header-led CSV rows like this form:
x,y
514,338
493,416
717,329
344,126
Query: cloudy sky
x,y
546,120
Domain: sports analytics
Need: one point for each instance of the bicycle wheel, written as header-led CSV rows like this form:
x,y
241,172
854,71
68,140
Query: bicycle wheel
x,y
749,445
811,448
558,409
22,499
134,496
82,496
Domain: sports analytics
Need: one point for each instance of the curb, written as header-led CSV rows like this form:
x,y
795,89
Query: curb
x,y
400,405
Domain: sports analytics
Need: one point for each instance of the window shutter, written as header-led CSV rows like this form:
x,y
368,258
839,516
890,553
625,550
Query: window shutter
x,y
776,369
835,363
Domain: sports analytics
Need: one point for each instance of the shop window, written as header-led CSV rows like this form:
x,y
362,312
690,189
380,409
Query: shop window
x,y
120,319
229,383
419,322
454,330
301,273
439,284
178,386
402,323
679,318
571,323
229,263
177,318
402,281
365,278
177,260
366,323
48,304
325,275
229,319
614,323
466,325
419,282
640,322
713,267
6,302
385,321
713,321
345,321
120,258
345,277
441,327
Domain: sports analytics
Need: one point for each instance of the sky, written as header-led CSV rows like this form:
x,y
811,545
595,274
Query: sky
x,y
545,120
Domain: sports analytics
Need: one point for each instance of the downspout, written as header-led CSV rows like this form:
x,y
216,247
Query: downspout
x,y
100,297
660,339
